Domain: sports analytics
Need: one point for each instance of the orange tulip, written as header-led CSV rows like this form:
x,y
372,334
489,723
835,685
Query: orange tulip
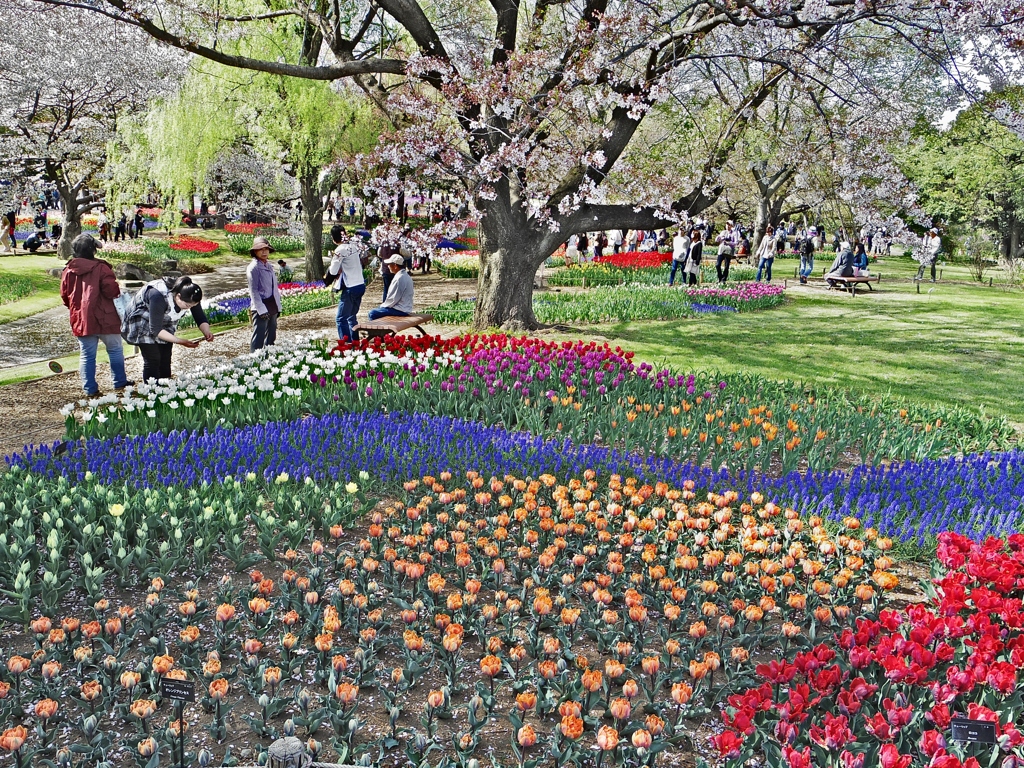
x,y
346,693
490,666
571,727
607,738
219,689
142,708
642,739
46,709
272,676
681,693
526,701
189,634
225,612
526,736
130,679
592,680
13,738
91,690
620,709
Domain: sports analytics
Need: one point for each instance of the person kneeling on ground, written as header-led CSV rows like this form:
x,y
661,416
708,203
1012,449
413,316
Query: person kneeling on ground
x,y
399,299
151,323
35,241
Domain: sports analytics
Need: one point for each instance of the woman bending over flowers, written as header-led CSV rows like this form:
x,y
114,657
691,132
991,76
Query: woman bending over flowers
x,y
152,323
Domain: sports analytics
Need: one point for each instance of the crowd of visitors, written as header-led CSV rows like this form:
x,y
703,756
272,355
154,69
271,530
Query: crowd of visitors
x,y
100,314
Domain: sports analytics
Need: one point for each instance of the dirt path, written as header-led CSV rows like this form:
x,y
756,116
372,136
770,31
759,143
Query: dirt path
x,y
30,411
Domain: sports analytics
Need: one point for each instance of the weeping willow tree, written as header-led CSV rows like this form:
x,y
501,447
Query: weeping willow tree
x,y
314,130
306,129
171,148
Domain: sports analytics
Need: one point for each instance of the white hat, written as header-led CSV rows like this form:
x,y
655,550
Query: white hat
x,y
396,259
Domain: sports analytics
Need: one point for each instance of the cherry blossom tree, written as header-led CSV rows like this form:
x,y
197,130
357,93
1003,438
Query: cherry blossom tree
x,y
533,105
69,75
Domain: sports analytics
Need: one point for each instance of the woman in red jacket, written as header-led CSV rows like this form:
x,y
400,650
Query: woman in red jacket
x,y
88,288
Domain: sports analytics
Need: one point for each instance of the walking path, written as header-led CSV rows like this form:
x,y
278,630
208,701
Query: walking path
x,y
29,411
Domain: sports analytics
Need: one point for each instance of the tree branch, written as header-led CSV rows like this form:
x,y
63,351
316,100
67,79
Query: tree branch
x,y
334,72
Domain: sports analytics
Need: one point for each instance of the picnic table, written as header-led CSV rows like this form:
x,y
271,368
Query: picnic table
x,y
389,326
850,283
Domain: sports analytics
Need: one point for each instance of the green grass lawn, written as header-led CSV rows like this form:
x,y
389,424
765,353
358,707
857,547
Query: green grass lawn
x,y
953,344
46,289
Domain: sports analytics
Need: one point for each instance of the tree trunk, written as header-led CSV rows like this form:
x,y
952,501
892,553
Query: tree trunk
x,y
505,288
312,227
760,223
71,222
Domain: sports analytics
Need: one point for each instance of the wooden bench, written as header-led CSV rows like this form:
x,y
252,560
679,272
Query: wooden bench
x,y
389,326
851,283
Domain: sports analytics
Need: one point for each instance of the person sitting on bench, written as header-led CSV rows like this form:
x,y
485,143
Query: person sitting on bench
x,y
860,259
398,302
842,266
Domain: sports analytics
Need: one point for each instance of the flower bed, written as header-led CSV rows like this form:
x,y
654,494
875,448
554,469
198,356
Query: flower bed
x,y
593,274
295,298
664,601
746,296
977,496
884,692
451,264
14,287
607,304
236,228
121,248
240,244
580,391
625,551
635,259
194,245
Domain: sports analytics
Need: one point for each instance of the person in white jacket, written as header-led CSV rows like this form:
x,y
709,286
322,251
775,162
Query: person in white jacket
x,y
766,254
345,276
399,301
931,247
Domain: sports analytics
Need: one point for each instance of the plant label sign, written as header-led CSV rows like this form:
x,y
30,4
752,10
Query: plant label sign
x,y
177,690
981,731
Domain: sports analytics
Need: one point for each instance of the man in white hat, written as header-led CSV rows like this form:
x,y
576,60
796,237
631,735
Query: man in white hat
x,y
398,302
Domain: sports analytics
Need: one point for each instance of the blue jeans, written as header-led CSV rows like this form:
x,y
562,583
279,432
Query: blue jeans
x,y
672,276
806,267
348,308
87,364
379,312
766,265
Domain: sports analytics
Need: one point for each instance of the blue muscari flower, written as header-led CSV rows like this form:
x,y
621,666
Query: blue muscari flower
x,y
976,495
